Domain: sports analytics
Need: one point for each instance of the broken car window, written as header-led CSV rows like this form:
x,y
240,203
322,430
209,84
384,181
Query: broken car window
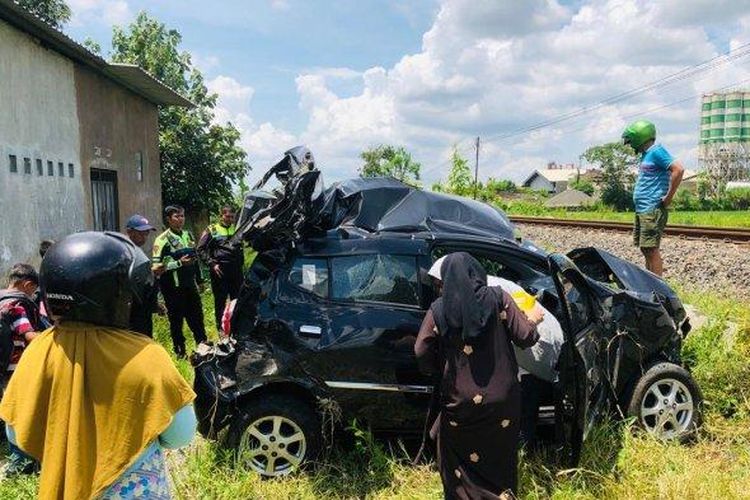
x,y
378,278
310,274
503,265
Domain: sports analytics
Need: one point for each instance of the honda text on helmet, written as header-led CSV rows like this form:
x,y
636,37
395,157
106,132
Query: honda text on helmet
x,y
95,278
637,134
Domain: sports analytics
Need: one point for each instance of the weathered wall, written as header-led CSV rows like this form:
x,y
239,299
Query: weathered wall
x,y
115,126
541,184
39,122
560,186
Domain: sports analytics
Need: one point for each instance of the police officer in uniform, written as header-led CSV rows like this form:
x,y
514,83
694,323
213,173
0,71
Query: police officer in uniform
x,y
224,259
174,248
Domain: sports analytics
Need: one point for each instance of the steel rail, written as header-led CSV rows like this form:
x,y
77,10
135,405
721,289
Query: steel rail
x,y
729,234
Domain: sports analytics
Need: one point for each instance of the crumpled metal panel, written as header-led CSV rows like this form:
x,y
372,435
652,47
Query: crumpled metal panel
x,y
361,202
642,285
300,207
387,205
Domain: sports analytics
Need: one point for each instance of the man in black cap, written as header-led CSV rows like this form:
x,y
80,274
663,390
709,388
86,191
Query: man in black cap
x,y
141,321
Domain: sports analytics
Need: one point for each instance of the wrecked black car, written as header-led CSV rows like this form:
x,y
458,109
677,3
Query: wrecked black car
x,y
324,329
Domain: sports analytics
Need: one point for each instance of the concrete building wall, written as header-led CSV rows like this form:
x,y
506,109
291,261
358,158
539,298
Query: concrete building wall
x,y
560,186
39,122
119,130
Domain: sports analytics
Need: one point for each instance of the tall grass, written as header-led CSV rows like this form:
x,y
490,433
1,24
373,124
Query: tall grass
x,y
616,463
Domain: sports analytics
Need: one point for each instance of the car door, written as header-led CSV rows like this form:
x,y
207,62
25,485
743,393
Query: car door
x,y
359,320
583,396
376,314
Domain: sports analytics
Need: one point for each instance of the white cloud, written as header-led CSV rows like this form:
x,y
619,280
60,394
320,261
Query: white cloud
x,y
280,4
264,143
232,94
109,12
490,67
205,63
338,72
699,12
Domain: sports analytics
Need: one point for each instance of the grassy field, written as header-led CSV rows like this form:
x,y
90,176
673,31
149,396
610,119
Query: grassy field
x,y
617,462
717,219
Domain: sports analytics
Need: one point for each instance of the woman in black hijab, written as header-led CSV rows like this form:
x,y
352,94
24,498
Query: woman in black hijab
x,y
467,335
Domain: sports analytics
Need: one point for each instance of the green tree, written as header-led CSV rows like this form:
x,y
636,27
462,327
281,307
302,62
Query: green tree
x,y
459,178
582,185
93,46
201,162
498,186
53,12
387,160
614,159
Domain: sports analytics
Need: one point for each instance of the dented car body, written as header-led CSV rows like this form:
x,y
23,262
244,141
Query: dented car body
x,y
331,307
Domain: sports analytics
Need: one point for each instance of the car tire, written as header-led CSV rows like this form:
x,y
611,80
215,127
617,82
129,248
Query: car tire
x,y
667,402
275,434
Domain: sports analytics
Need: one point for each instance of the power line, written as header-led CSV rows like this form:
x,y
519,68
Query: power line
x,y
685,73
681,75
664,106
668,105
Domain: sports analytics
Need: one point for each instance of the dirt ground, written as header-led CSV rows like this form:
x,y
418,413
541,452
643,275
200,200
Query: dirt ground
x,y
713,266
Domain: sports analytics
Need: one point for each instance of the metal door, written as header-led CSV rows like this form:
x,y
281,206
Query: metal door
x,y
104,200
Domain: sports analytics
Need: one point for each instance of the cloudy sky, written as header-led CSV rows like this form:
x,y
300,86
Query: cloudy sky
x,y
342,75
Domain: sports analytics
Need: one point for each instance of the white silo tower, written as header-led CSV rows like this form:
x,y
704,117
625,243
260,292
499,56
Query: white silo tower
x,y
724,150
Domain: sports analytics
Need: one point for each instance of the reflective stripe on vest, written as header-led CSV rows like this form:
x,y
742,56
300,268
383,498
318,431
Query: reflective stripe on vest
x,y
217,230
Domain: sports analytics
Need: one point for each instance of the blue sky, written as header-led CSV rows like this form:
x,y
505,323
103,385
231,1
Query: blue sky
x,y
267,44
340,76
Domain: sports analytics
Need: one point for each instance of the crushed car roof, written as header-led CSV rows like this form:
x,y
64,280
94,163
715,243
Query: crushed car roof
x,y
386,204
301,208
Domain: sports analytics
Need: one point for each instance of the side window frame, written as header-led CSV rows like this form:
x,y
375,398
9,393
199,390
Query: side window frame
x,y
418,287
311,293
500,255
583,290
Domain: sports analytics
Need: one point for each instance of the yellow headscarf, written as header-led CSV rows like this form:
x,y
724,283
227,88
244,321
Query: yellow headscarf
x,y
86,401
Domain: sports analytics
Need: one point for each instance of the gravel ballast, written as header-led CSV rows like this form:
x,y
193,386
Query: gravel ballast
x,y
700,264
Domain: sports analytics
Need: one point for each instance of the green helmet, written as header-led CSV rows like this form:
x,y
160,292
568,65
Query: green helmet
x,y
639,133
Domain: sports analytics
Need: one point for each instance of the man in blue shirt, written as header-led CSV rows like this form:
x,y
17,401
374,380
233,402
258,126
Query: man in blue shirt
x,y
659,177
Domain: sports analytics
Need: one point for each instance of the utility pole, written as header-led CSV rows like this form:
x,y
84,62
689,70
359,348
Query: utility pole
x,y
476,170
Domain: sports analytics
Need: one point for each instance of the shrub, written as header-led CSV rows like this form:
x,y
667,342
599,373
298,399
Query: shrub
x,y
738,199
720,362
498,186
686,200
582,185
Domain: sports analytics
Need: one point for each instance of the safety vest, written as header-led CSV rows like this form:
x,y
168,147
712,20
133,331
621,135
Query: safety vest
x,y
219,232
165,245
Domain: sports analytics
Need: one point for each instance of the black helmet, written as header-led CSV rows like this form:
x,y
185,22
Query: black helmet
x,y
95,278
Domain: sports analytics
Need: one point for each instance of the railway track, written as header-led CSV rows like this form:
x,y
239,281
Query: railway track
x,y
728,234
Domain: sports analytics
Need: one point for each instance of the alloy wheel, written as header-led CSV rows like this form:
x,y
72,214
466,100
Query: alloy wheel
x,y
667,408
273,445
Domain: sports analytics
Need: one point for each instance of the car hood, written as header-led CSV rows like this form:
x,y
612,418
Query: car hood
x,y
622,276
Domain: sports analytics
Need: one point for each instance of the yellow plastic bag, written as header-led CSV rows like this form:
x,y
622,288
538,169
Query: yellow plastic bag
x,y
524,301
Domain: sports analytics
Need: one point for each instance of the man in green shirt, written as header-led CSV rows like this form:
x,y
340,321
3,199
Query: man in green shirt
x,y
174,249
224,260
